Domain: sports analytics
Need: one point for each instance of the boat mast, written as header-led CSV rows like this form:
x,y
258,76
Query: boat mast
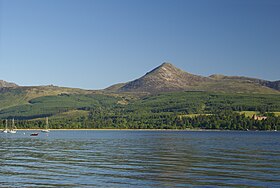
x,y
47,122
13,123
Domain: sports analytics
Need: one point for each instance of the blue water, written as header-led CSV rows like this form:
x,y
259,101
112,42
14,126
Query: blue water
x,y
140,159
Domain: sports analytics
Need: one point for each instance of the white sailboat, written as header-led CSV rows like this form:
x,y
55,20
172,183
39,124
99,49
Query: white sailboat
x,y
12,130
46,130
6,127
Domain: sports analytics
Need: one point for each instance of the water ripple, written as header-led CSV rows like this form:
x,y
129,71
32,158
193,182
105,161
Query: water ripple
x,y
140,159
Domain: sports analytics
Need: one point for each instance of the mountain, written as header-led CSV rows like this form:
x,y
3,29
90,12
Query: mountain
x,y
7,84
167,77
221,92
164,78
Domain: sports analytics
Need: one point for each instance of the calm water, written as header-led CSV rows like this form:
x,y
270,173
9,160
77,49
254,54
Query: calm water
x,y
140,159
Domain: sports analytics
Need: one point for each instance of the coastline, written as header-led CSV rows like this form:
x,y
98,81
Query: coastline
x,y
111,129
179,130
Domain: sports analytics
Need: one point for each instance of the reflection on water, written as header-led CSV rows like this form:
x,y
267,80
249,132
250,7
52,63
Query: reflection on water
x,y
140,159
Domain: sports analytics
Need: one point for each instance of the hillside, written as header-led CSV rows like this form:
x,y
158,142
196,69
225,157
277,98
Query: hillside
x,y
40,101
14,96
7,84
271,84
165,89
176,110
167,78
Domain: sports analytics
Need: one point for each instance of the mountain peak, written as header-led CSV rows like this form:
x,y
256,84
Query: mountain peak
x,y
166,64
165,69
165,77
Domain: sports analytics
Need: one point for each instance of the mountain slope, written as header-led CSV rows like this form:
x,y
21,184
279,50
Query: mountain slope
x,y
271,84
167,77
14,96
41,101
164,78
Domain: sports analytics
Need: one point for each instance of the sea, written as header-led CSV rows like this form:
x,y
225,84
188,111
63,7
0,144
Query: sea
x,y
135,158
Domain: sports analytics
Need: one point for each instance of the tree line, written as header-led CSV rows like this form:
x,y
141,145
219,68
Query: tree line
x,y
97,119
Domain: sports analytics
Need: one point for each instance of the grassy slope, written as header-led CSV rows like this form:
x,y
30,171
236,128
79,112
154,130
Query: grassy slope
x,y
236,86
10,97
277,113
34,102
251,113
29,103
52,105
200,102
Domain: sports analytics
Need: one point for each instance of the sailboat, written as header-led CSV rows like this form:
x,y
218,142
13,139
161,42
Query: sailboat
x,y
6,127
46,130
13,131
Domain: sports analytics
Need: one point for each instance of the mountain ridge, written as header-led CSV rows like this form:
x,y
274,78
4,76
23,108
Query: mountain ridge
x,y
167,77
271,84
29,102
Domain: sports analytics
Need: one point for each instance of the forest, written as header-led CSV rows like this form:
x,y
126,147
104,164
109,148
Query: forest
x,y
175,110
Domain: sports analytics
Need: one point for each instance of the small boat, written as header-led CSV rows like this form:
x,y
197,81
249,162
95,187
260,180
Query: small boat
x,y
34,134
46,130
13,131
6,127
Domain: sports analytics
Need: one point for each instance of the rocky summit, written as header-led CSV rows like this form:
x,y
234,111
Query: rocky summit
x,y
164,78
7,84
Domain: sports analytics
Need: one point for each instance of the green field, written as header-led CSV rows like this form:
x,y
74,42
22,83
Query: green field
x,y
277,113
251,113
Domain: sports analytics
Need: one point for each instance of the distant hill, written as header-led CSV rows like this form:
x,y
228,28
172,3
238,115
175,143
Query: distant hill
x,y
271,84
7,84
167,77
23,102
19,95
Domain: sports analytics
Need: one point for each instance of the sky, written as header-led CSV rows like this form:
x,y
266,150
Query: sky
x,y
92,44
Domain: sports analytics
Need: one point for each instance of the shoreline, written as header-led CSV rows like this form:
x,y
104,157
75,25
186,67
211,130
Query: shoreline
x,y
111,129
114,129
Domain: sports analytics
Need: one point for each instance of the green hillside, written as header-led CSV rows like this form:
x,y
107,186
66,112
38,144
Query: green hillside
x,y
165,110
14,105
53,105
166,97
14,96
207,102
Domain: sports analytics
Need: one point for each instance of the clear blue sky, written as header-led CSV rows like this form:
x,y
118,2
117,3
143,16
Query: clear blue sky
x,y
93,44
